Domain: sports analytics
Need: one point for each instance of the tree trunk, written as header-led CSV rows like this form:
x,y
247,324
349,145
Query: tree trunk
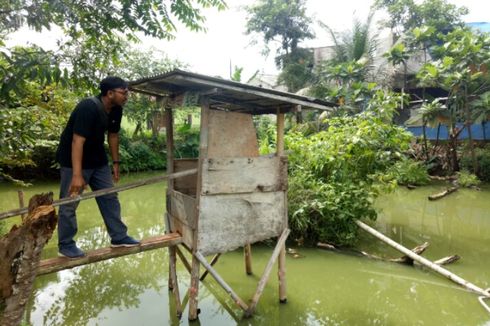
x,y
20,253
470,135
137,129
424,132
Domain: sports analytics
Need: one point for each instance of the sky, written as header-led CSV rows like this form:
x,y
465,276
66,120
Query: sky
x,y
225,43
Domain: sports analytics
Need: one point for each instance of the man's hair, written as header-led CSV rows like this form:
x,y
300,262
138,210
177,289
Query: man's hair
x,y
110,83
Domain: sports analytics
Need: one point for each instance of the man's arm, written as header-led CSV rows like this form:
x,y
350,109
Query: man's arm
x,y
77,182
113,140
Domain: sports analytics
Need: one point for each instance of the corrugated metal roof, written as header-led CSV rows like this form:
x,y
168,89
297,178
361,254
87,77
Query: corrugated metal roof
x,y
225,94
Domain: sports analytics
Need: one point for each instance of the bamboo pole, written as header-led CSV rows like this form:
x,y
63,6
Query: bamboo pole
x,y
267,271
220,281
247,253
213,261
281,264
424,261
105,191
183,259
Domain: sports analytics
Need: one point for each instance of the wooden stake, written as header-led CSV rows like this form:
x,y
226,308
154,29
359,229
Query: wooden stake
x,y
453,277
247,253
268,268
213,261
220,281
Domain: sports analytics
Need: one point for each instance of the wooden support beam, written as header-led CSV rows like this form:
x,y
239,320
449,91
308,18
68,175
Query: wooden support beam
x,y
20,193
213,261
263,280
247,254
52,265
220,281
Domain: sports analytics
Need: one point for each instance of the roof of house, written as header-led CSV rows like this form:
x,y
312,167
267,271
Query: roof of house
x,y
225,94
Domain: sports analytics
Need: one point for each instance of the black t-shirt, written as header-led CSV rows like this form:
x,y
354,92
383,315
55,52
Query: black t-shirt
x,y
91,122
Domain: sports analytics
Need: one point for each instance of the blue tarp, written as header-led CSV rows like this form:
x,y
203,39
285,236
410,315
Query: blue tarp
x,y
482,26
478,132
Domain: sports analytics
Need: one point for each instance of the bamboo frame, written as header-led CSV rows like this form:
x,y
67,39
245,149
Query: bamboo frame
x,y
267,271
213,261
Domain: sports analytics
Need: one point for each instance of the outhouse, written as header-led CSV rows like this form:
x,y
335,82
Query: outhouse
x,y
236,197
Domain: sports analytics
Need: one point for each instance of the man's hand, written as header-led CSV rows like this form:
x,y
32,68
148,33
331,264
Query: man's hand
x,y
115,172
76,186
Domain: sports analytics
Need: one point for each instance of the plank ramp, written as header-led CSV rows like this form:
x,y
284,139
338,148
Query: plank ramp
x,y
56,264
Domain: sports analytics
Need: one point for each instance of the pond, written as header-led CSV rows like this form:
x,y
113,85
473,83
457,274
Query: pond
x,y
324,288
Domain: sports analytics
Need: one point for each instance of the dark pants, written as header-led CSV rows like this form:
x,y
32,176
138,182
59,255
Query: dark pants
x,y
98,178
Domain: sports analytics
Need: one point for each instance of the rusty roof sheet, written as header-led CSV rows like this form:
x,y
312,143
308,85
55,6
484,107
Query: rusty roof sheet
x,y
226,94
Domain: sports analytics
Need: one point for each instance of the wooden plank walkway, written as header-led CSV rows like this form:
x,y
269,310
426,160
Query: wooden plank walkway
x,y
56,264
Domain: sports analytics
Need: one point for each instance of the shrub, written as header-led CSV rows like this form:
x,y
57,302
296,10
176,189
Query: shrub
x,y
467,179
483,158
336,174
409,172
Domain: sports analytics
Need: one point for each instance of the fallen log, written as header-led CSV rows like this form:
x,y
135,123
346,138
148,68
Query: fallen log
x,y
447,260
402,260
443,193
20,253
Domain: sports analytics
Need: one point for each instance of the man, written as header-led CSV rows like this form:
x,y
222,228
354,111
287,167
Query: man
x,y
84,162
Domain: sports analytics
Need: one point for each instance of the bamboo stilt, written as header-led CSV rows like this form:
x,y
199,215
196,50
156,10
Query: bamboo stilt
x,y
453,277
267,271
194,289
281,265
247,254
220,281
213,261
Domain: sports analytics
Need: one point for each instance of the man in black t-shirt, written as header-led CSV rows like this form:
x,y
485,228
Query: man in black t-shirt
x,y
83,161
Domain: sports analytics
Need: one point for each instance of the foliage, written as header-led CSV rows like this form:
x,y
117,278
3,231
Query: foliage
x,y
137,64
105,17
33,124
284,21
266,134
409,172
336,174
467,179
483,159
187,142
297,69
405,15
145,153
353,45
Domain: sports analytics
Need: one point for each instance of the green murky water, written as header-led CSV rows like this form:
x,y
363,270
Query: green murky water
x,y
324,288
